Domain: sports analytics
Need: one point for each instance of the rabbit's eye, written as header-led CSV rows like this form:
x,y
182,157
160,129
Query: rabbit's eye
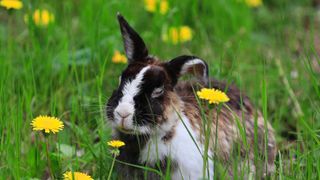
x,y
157,92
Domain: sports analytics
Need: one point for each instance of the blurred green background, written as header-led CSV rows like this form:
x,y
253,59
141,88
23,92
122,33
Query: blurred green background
x,y
65,69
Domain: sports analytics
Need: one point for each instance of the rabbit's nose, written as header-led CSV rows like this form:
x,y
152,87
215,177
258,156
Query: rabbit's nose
x,y
123,114
124,111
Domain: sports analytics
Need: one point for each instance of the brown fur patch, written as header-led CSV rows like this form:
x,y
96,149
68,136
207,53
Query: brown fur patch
x,y
172,104
191,109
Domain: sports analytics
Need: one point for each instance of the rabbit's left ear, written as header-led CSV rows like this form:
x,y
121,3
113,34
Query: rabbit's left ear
x,y
134,46
187,64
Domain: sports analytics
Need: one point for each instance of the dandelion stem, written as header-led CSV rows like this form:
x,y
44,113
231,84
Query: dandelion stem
x,y
110,172
206,166
48,158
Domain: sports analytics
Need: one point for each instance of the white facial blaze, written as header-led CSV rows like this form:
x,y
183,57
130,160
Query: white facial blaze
x,y
132,88
124,112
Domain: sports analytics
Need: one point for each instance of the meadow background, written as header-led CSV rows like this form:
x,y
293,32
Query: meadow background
x,y
65,69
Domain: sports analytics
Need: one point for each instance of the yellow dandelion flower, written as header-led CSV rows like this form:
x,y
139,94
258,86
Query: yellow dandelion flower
x,y
119,58
214,96
41,17
173,35
116,143
185,34
177,35
150,5
76,176
47,124
11,4
254,3
164,7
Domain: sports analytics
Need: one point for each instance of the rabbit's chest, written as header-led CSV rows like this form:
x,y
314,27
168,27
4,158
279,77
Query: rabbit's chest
x,y
181,148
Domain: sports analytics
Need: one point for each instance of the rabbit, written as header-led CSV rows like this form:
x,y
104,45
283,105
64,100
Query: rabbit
x,y
159,118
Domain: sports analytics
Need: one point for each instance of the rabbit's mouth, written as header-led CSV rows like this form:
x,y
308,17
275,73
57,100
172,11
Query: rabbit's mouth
x,y
126,131
135,130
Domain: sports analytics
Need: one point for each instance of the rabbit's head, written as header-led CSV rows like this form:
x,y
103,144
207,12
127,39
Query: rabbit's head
x,y
147,86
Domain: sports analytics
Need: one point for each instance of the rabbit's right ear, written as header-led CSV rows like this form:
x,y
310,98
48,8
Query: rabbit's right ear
x,y
187,64
134,46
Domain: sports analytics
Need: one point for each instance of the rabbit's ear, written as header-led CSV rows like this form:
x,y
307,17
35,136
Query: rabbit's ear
x,y
134,46
187,64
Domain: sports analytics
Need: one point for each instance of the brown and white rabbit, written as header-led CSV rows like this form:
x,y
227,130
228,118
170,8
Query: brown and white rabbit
x,y
155,114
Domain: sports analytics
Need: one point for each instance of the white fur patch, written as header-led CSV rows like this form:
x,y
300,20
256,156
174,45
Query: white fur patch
x,y
187,154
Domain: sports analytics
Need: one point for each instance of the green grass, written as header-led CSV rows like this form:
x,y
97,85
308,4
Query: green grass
x,y
65,70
